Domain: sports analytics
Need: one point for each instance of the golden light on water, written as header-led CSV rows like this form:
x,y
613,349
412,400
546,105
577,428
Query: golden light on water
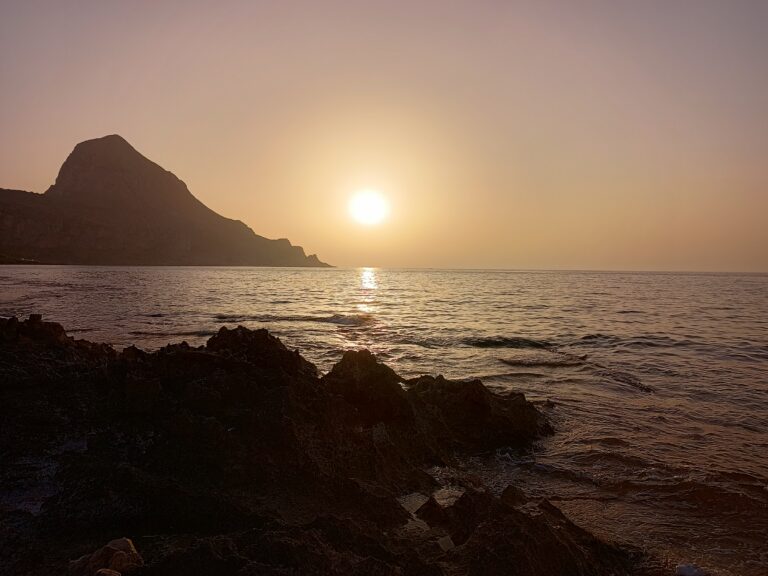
x,y
368,279
368,207
369,285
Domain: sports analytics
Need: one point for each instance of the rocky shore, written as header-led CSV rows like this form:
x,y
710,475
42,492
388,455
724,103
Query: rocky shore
x,y
238,458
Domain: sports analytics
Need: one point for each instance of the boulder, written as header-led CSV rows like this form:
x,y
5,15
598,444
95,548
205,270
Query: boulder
x,y
538,543
465,414
689,570
118,556
259,348
373,388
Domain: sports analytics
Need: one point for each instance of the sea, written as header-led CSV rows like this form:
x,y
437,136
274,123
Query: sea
x,y
656,383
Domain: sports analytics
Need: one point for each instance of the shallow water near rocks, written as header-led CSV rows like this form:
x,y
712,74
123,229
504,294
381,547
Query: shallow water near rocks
x,y
656,384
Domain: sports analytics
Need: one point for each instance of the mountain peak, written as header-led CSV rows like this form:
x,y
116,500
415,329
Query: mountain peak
x,y
112,205
109,169
106,151
110,141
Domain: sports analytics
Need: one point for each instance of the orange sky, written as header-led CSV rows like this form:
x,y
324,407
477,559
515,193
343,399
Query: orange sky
x,y
599,135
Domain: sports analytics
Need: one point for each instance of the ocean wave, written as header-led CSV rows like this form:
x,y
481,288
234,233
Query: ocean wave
x,y
434,342
506,342
503,376
653,483
695,493
347,320
623,377
173,333
599,338
339,319
233,317
601,458
656,341
657,483
555,360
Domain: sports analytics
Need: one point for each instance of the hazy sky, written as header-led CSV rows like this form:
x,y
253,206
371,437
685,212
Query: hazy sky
x,y
573,134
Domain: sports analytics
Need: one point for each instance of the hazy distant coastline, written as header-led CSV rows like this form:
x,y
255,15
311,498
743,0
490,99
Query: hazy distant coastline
x,y
112,206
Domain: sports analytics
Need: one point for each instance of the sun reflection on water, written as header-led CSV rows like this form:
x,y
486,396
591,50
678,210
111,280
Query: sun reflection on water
x,y
368,285
368,279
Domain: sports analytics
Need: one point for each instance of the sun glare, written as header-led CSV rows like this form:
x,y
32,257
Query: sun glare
x,y
368,207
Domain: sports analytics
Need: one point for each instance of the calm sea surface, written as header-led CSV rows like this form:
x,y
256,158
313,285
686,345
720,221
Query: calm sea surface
x,y
657,384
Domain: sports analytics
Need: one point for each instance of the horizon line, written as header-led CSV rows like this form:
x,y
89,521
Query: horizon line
x,y
424,268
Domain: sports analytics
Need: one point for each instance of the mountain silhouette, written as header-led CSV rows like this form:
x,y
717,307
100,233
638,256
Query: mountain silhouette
x,y
110,205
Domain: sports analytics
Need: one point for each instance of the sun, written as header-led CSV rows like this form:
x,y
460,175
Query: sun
x,y
368,207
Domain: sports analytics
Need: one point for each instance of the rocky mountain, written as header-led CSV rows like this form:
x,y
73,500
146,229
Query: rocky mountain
x,y
111,205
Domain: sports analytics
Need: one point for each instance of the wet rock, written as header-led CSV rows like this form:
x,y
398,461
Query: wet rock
x,y
235,458
487,535
446,543
35,332
459,518
259,348
49,338
465,414
689,570
118,556
133,354
513,496
373,388
537,544
433,513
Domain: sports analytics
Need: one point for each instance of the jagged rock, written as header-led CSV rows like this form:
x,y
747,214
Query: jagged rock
x,y
35,334
689,570
373,388
509,540
236,458
467,414
259,348
513,496
433,513
461,517
118,556
489,536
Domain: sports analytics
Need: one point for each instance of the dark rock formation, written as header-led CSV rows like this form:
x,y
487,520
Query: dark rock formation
x,y
467,415
111,205
372,388
116,557
235,458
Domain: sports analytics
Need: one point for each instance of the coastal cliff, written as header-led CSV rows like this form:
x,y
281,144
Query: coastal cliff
x,y
110,205
238,458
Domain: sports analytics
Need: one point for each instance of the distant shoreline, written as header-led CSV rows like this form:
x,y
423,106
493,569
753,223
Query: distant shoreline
x,y
25,262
